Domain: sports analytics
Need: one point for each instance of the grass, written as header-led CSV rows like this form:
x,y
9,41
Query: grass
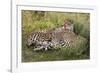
x,y
52,55
34,21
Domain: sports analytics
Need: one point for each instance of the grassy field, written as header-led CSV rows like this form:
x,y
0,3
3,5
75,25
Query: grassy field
x,y
37,21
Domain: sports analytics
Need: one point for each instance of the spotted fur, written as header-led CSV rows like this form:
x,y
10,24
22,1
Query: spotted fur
x,y
51,38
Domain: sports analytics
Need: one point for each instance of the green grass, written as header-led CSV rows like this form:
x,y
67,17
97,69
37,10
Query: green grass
x,y
52,55
32,21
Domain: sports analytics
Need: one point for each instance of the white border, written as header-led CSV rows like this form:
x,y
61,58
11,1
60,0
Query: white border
x,y
17,66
